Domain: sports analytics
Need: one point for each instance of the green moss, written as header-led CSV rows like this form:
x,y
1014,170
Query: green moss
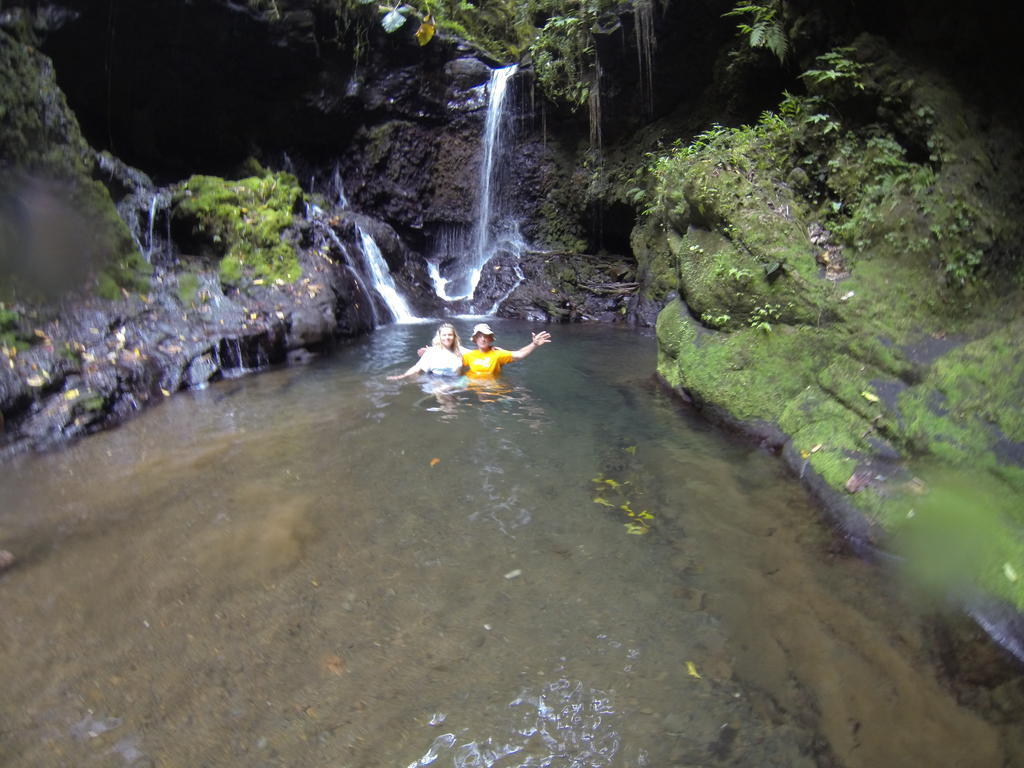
x,y
750,373
244,223
13,332
40,142
983,379
968,405
188,288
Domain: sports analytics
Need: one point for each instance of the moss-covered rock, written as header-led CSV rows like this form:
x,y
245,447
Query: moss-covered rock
x,y
48,186
243,224
836,280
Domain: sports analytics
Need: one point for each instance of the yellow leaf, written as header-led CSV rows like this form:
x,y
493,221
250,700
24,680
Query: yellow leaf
x,y
164,392
631,449
637,529
598,479
434,462
645,515
35,381
71,394
612,483
691,670
334,664
426,31
258,281
1010,572
805,454
625,508
869,396
599,500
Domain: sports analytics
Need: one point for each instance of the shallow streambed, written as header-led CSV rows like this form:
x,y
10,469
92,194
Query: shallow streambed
x,y
318,567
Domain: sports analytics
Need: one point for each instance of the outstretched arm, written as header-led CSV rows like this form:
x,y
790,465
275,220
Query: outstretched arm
x,y
411,372
538,338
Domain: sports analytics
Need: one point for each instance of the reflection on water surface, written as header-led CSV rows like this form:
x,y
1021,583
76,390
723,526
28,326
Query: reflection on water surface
x,y
319,567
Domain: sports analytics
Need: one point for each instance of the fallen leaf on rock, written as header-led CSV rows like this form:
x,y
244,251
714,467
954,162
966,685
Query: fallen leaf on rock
x,y
691,670
869,396
434,462
604,502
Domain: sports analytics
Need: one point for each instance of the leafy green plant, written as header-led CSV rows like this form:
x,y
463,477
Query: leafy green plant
x,y
739,275
562,54
836,74
761,26
762,317
715,321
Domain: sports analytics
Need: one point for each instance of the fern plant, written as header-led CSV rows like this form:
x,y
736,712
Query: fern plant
x,y
762,27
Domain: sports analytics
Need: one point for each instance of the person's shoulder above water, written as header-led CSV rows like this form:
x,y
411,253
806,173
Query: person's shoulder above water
x,y
487,360
443,357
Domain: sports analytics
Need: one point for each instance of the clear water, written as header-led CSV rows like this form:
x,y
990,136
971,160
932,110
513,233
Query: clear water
x,y
318,567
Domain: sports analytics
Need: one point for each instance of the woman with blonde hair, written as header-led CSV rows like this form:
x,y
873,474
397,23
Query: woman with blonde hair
x,y
442,358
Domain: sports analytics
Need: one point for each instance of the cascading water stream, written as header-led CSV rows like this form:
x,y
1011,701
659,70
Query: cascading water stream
x,y
350,264
498,88
489,232
380,277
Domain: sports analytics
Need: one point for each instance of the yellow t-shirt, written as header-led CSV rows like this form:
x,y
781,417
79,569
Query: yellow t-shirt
x,y
485,365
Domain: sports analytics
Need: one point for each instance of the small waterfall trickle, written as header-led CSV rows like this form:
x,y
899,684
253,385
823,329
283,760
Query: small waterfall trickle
x,y
141,211
380,276
363,260
645,45
337,188
459,258
352,267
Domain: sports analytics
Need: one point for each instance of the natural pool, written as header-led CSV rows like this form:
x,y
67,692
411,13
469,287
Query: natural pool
x,y
318,567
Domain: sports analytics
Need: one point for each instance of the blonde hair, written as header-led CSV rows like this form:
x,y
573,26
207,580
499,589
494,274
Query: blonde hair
x,y
457,346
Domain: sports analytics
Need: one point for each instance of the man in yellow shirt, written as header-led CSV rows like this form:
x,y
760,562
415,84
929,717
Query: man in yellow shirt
x,y
486,360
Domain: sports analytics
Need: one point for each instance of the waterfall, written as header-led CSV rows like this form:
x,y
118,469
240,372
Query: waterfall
x,y
498,87
337,188
350,264
380,276
645,43
465,260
